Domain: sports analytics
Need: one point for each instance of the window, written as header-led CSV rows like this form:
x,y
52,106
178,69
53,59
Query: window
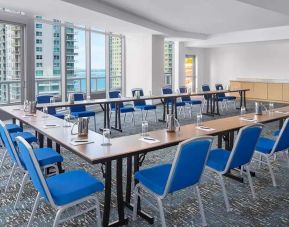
x,y
190,74
97,81
75,60
38,25
10,63
115,62
168,61
38,33
47,72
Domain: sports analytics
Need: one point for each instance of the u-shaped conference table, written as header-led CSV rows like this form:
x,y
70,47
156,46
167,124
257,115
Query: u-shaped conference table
x,y
131,148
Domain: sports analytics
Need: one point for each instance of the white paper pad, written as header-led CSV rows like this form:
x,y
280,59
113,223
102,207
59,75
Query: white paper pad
x,y
29,115
80,143
204,128
247,119
281,112
148,140
51,126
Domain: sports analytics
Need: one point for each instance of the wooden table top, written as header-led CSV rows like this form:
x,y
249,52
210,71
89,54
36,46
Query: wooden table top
x,y
129,99
129,145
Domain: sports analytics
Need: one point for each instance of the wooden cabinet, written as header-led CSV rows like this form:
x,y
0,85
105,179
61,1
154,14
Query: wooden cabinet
x,y
235,85
260,91
248,85
285,92
275,92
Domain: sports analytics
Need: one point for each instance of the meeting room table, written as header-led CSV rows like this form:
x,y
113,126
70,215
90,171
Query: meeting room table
x,y
132,148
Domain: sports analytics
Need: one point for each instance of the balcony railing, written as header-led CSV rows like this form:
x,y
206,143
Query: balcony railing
x,y
10,92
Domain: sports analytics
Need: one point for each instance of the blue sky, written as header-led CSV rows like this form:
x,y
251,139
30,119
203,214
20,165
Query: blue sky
x,y
97,50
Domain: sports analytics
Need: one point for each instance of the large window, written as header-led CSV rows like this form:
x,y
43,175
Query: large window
x,y
115,62
97,81
190,72
10,63
168,61
47,59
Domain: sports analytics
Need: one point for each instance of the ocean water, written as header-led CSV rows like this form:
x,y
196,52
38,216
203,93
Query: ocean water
x,y
97,80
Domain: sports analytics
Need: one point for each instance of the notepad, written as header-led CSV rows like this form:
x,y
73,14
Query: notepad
x,y
205,128
148,139
51,126
29,115
77,142
248,119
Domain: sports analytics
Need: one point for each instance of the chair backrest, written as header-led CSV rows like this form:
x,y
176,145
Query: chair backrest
x,y
32,165
220,87
244,146
9,145
184,90
42,99
78,108
138,102
167,90
206,87
188,164
282,141
114,94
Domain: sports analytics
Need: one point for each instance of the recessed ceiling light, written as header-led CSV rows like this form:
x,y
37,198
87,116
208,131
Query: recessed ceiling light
x,y
12,11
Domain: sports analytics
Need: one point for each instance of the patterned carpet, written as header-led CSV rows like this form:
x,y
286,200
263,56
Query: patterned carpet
x,y
270,208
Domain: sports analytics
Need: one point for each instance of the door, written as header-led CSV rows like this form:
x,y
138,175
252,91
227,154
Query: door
x,y
190,72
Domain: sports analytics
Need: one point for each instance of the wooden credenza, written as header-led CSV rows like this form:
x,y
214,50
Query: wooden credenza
x,y
265,91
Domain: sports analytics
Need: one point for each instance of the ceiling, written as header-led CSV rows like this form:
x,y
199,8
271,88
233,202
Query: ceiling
x,y
195,20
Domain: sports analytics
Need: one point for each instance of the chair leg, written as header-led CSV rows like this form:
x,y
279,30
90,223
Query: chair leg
x,y
271,172
156,115
135,202
142,115
98,215
146,115
57,217
285,154
260,161
162,214
124,117
225,193
25,177
250,181
10,177
36,203
132,118
191,111
3,159
94,123
204,222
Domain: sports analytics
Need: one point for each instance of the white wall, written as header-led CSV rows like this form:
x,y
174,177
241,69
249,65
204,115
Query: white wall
x,y
263,60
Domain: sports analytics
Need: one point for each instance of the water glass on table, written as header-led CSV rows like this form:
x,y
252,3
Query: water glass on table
x,y
144,128
199,119
271,107
45,111
106,137
243,110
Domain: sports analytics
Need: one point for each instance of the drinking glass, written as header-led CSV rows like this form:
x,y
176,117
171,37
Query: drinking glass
x,y
144,128
45,111
66,122
243,110
199,119
25,105
271,107
52,100
88,97
106,137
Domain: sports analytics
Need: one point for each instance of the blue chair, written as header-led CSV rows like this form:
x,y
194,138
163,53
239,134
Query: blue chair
x,y
185,171
221,161
142,105
227,98
122,108
47,158
276,132
268,148
61,191
206,88
167,90
42,99
80,110
188,100
13,128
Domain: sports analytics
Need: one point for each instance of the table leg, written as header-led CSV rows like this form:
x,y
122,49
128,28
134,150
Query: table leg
x,y
14,120
128,180
244,97
49,143
117,123
174,107
220,140
41,140
106,117
107,194
59,165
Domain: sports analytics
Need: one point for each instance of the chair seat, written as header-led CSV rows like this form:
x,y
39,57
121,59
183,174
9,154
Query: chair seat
x,y
193,102
154,178
12,128
28,136
47,156
230,97
265,145
59,115
125,109
71,186
218,159
146,107
83,114
276,133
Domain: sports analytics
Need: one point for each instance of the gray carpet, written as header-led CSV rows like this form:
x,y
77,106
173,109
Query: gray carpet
x,y
181,209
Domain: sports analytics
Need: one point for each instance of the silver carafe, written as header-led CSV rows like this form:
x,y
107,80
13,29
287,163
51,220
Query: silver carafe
x,y
172,123
32,107
258,108
71,98
82,125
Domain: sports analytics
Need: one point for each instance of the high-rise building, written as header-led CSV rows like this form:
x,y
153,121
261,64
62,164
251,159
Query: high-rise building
x,y
115,61
168,61
10,62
